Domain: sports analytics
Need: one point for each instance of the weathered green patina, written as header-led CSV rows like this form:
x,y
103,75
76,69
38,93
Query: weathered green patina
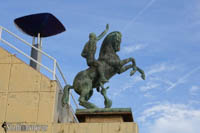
x,y
110,64
102,110
89,54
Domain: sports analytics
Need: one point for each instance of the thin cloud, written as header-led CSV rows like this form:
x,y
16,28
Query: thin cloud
x,y
183,78
133,48
148,95
166,81
129,84
194,102
161,67
132,21
163,118
149,86
194,90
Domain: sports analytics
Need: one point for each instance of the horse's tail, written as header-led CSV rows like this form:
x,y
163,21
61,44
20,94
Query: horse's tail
x,y
65,97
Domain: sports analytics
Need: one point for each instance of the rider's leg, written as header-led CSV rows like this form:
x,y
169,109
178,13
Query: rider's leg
x,y
100,70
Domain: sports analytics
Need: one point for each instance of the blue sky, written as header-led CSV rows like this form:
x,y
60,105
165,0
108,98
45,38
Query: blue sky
x,y
163,37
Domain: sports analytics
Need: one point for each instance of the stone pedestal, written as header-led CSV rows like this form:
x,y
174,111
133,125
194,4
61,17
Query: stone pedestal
x,y
115,120
104,115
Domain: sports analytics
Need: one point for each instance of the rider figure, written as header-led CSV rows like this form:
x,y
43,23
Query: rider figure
x,y
89,53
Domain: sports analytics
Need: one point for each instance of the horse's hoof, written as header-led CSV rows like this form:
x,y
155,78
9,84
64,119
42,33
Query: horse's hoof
x,y
143,76
108,103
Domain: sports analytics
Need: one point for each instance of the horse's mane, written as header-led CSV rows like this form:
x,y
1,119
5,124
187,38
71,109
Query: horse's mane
x,y
108,42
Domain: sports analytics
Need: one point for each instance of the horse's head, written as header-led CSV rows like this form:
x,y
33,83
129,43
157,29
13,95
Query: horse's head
x,y
116,40
111,43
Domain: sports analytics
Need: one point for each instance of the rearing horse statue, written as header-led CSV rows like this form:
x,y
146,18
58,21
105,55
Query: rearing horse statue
x,y
86,80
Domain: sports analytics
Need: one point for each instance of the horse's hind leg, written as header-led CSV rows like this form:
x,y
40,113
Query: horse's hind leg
x,y
84,97
107,101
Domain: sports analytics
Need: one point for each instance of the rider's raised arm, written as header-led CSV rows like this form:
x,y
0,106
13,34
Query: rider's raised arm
x,y
103,33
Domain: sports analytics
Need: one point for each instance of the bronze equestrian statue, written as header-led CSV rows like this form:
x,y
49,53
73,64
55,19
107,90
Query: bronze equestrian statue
x,y
86,80
89,52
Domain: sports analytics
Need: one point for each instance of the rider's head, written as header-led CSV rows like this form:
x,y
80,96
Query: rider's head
x,y
92,36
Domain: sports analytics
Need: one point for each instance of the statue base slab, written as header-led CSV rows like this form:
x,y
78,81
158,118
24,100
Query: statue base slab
x,y
104,115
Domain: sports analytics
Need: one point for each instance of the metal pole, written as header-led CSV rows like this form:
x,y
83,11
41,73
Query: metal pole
x,y
39,57
69,101
41,42
38,38
54,70
33,42
35,54
0,32
62,75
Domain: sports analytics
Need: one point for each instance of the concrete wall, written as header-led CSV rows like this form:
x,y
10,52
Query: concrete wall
x,y
26,95
127,127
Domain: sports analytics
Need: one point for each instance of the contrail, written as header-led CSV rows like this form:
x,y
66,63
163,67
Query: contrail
x,y
183,78
139,14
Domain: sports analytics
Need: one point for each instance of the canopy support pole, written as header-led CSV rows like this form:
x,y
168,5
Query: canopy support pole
x,y
35,54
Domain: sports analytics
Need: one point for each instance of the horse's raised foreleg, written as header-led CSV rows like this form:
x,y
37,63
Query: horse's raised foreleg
x,y
125,61
141,72
133,65
125,68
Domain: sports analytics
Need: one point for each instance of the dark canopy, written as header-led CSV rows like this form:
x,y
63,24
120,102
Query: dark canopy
x,y
44,23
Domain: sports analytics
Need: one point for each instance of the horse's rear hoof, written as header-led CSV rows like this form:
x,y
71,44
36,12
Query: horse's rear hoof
x,y
108,103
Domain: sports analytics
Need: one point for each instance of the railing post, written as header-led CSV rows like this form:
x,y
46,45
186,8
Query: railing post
x,y
54,69
69,101
0,32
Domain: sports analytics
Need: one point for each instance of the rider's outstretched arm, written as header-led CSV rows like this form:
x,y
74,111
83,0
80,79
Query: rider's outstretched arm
x,y
103,33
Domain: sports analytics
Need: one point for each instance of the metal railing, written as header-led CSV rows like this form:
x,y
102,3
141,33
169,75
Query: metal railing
x,y
55,64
